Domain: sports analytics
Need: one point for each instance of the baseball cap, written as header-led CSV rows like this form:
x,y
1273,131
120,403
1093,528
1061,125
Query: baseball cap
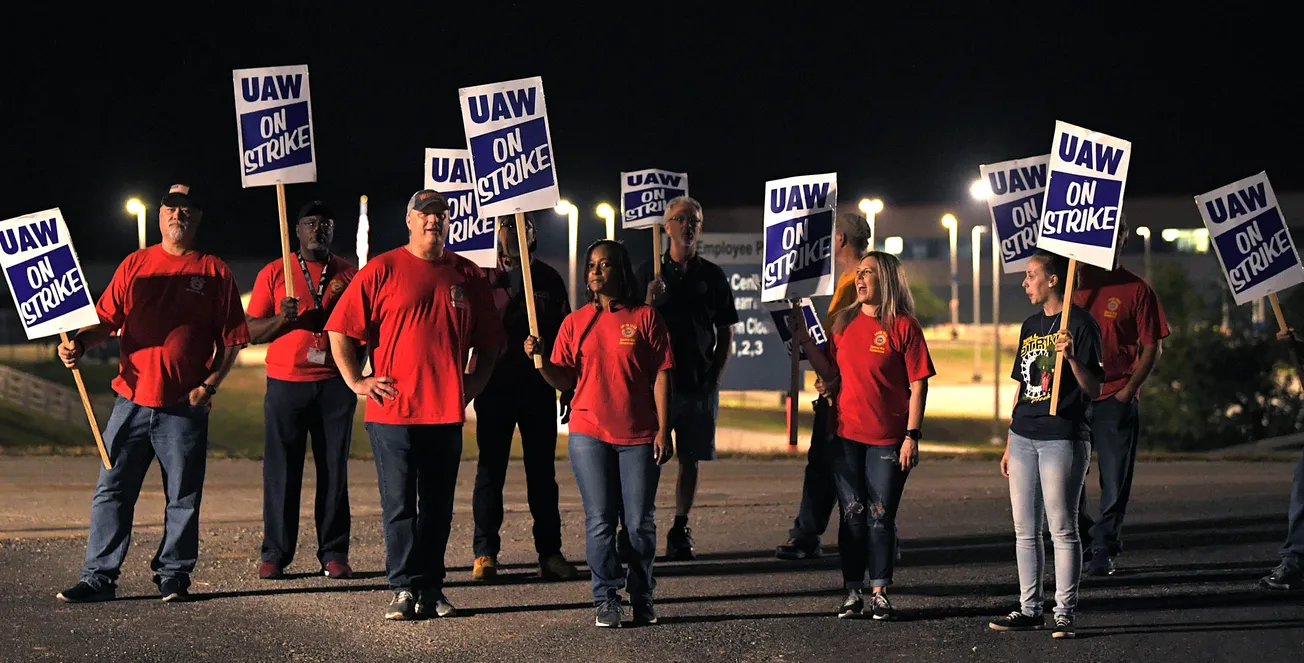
x,y
316,208
427,198
178,195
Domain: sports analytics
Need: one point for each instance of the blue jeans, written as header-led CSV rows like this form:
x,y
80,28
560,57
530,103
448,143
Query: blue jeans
x,y
611,477
869,481
1046,478
1292,552
417,471
692,422
133,436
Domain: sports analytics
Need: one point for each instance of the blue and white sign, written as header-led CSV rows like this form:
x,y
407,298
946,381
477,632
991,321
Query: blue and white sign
x,y
799,237
511,148
1015,192
45,277
644,194
1251,238
273,114
1084,195
449,173
779,315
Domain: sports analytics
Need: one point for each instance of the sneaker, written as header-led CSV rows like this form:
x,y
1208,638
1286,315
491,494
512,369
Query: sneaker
x,y
555,567
880,607
793,550
403,607
86,593
852,605
270,571
624,550
1017,621
1284,577
1101,564
486,569
645,612
1064,628
173,590
337,570
434,602
679,544
610,614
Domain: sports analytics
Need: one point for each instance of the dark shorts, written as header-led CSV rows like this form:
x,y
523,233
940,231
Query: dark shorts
x,y
692,423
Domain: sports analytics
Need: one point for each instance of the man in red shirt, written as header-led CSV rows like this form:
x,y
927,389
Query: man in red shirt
x,y
1132,328
420,310
305,395
180,324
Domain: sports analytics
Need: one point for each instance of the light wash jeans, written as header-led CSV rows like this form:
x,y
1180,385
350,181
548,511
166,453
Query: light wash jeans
x,y
1046,478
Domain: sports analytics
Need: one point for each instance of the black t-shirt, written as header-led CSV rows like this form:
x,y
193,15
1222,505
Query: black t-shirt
x,y
515,370
1034,368
697,301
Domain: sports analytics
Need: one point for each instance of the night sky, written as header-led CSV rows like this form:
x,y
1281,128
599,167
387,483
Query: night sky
x,y
901,109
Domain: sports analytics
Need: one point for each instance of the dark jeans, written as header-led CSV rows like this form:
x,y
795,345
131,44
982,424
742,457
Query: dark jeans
x,y
611,477
1114,431
496,418
869,481
133,436
291,412
417,471
1293,550
818,494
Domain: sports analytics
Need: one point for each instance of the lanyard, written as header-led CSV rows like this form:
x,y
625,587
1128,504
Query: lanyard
x,y
307,278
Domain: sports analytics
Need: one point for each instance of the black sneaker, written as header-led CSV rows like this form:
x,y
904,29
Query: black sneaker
x,y
173,590
645,612
852,605
86,593
624,551
610,614
403,607
1101,564
1017,621
679,544
433,602
1064,628
1284,577
880,607
794,550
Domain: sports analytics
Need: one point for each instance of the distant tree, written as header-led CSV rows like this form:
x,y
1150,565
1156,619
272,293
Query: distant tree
x,y
929,309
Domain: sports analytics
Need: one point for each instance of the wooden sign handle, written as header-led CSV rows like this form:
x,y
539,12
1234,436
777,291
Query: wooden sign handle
x,y
656,250
90,412
1064,325
523,243
794,382
1276,309
285,240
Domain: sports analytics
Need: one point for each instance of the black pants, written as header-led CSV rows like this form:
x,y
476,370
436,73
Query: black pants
x,y
417,471
818,492
292,411
1115,428
497,417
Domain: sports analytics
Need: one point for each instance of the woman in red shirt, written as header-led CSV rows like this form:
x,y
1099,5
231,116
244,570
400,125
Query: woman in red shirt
x,y
878,351
615,354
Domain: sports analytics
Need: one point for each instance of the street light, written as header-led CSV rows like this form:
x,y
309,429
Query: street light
x,y
980,190
869,208
136,207
952,225
976,240
1144,233
609,215
364,230
572,215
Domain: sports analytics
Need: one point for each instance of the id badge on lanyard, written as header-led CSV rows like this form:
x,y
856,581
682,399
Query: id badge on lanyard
x,y
317,353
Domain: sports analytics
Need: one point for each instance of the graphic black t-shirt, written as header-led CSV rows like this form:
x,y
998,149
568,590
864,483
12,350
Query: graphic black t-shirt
x,y
1034,368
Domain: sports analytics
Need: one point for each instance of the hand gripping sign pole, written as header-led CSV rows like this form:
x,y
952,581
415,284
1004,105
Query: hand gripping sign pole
x,y
524,244
1064,325
285,240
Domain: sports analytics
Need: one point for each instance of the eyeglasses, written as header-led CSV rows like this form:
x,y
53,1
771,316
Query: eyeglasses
x,y
315,223
684,219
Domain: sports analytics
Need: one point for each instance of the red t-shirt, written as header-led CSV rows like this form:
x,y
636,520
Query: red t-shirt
x,y
287,356
172,314
618,357
877,366
419,318
1130,318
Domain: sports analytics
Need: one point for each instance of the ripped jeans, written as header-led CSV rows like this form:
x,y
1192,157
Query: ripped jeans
x,y
869,481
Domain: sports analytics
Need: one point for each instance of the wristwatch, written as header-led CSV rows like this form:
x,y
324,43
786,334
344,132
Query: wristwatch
x,y
915,434
209,388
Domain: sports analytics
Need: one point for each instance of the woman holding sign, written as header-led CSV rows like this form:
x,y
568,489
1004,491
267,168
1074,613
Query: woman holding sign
x,y
615,354
877,350
1046,455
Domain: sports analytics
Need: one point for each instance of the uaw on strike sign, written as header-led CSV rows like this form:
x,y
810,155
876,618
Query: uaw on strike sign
x,y
473,238
644,194
45,277
1251,238
507,135
274,125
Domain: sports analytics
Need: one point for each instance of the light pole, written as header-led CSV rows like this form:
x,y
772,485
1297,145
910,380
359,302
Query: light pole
x,y
869,208
608,214
981,191
572,216
976,240
136,207
1144,233
364,230
950,224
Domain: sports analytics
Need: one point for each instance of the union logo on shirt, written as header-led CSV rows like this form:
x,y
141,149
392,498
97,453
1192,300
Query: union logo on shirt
x,y
458,296
627,334
1111,307
880,342
196,285
337,286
